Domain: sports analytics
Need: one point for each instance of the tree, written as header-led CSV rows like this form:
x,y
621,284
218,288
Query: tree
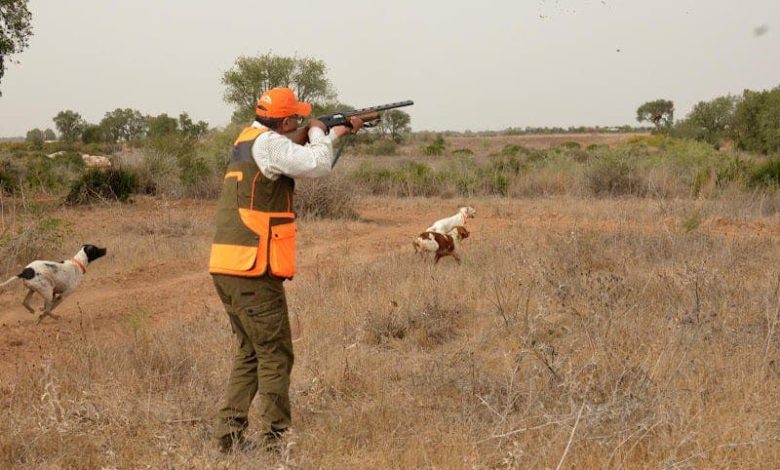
x,y
15,29
123,125
190,129
710,121
161,125
49,134
757,121
70,124
92,134
250,76
395,123
659,112
35,138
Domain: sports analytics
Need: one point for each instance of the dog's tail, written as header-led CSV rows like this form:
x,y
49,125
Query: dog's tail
x,y
27,273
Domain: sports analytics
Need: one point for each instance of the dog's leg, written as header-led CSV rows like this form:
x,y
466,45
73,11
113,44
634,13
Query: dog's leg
x,y
457,258
57,300
48,305
26,301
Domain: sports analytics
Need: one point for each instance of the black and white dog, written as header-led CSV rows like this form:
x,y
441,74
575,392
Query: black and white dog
x,y
54,281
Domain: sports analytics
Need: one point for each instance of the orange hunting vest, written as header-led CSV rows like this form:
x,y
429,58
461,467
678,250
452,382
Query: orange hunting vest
x,y
255,232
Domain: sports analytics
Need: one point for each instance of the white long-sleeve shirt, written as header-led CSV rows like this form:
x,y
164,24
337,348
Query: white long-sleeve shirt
x,y
277,155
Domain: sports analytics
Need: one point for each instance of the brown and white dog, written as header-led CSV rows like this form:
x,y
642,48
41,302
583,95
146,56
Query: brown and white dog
x,y
444,226
442,245
54,281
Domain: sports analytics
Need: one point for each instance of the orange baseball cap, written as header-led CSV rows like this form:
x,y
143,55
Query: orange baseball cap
x,y
279,103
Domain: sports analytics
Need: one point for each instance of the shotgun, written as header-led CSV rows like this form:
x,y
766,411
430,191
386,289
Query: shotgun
x,y
370,117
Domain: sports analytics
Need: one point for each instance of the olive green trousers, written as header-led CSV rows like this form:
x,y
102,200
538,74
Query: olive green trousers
x,y
257,309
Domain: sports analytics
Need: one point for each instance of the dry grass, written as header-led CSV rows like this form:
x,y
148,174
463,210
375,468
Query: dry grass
x,y
610,333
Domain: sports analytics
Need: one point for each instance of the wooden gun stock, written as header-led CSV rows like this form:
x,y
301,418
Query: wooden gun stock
x,y
368,117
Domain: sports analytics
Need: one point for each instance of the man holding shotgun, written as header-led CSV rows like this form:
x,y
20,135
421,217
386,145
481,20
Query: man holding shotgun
x,y
254,253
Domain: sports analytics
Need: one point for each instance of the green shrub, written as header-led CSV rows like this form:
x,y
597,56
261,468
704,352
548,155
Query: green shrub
x,y
512,150
194,173
50,175
506,164
655,140
381,147
113,184
499,184
436,147
410,179
10,177
615,174
766,173
570,145
734,170
467,184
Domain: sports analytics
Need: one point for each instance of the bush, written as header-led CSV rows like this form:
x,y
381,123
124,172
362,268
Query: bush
x,y
113,184
734,170
410,179
324,198
10,177
766,174
40,238
615,174
506,164
512,150
53,174
381,147
436,147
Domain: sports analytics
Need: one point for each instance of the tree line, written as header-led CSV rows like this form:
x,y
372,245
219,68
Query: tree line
x,y
750,121
243,82
120,125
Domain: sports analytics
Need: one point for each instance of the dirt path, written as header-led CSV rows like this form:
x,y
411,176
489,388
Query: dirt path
x,y
109,307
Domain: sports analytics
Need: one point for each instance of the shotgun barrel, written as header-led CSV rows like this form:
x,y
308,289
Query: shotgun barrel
x,y
370,117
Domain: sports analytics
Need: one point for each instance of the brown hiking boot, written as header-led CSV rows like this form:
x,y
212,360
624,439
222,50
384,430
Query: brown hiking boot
x,y
272,441
233,442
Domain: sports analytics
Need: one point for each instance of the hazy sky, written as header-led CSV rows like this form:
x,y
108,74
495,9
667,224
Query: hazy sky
x,y
489,64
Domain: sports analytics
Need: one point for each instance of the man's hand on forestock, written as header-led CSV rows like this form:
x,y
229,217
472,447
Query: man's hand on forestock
x,y
355,124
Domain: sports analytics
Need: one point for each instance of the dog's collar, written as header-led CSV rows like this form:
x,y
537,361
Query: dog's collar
x,y
80,265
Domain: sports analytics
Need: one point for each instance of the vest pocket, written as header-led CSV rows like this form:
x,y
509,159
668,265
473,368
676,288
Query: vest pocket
x,y
281,256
